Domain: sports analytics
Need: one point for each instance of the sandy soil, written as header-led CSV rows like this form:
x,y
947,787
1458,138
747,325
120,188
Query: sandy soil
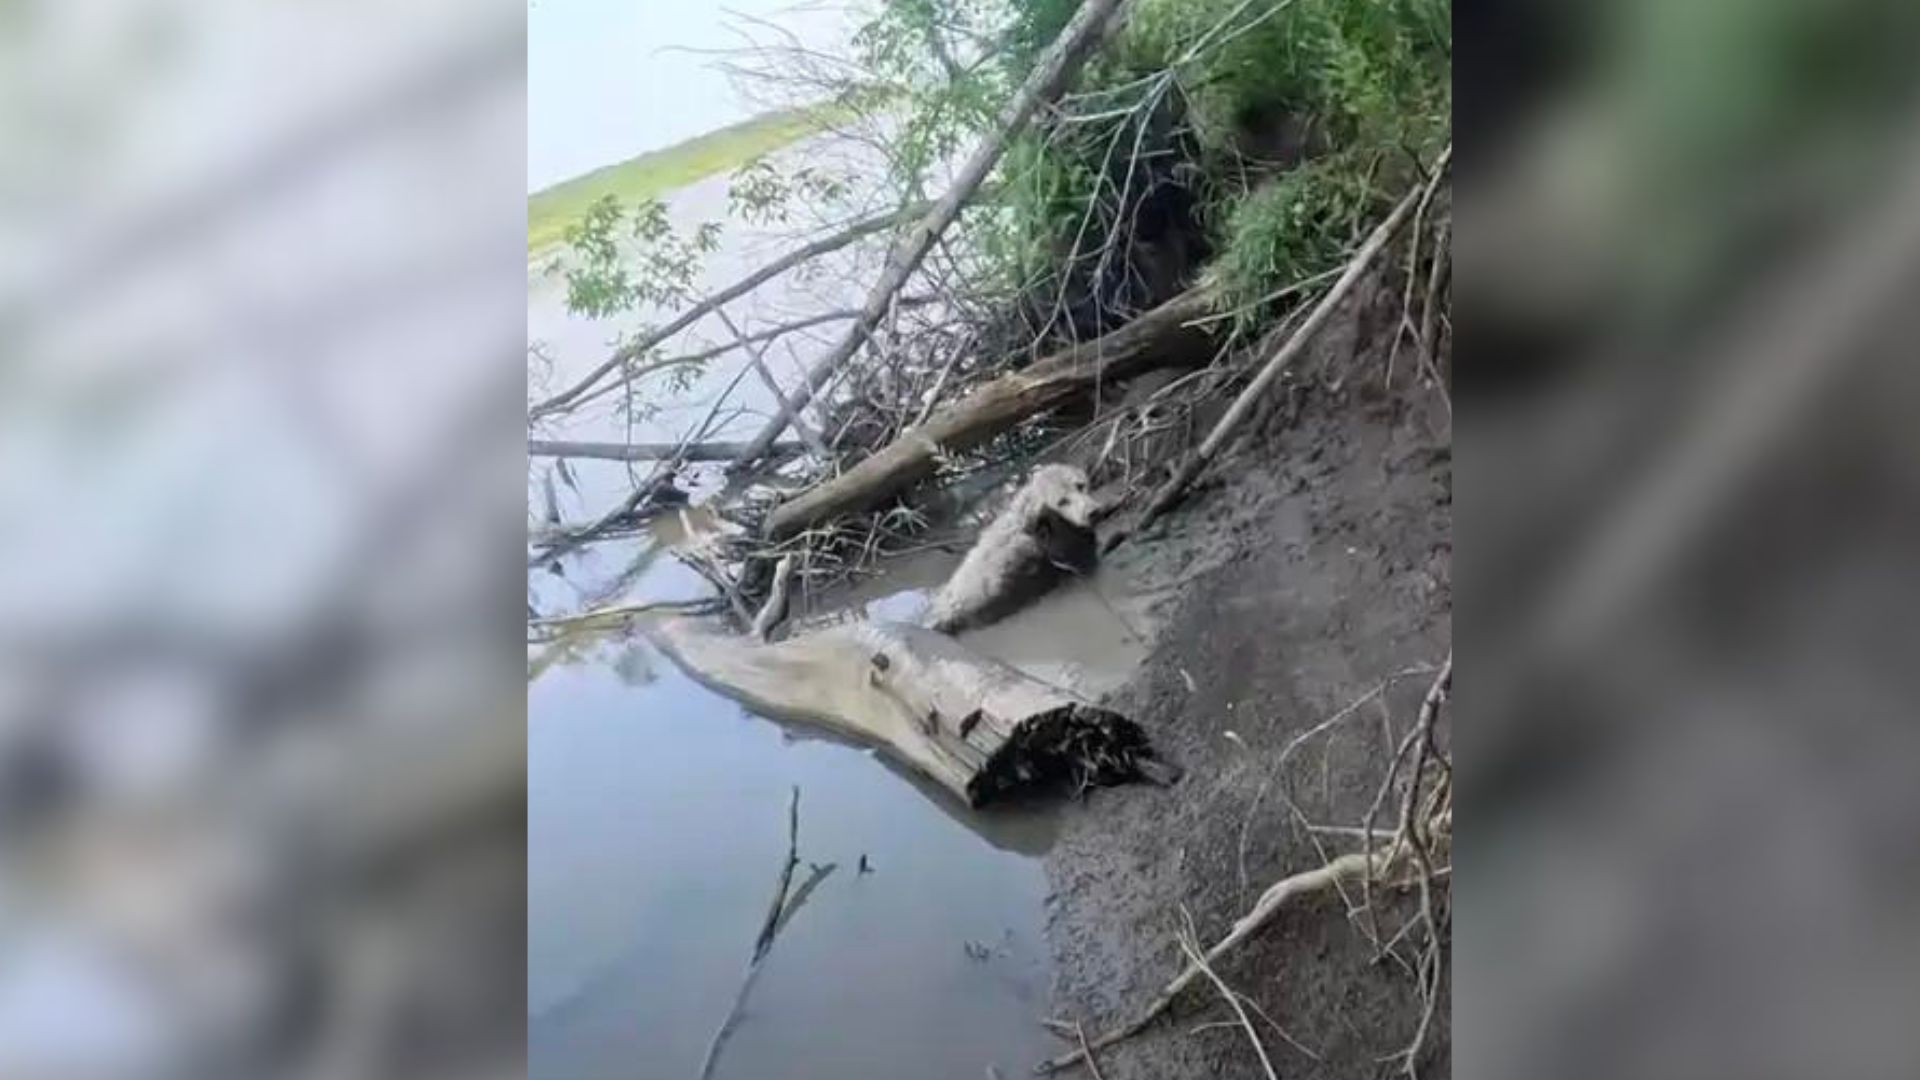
x,y
1317,567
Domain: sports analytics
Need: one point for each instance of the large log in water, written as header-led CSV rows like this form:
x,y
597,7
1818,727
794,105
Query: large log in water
x,y
1159,338
975,726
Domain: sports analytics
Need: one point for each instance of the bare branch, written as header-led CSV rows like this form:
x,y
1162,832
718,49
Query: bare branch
x,y
1062,60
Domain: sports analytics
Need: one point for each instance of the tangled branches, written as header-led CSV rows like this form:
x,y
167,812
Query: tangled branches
x,y
1414,851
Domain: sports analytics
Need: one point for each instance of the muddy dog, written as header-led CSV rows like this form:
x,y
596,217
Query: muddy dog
x,y
1045,532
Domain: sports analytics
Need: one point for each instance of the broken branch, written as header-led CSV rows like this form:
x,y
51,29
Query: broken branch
x,y
1049,77
647,451
1159,338
1276,897
1243,405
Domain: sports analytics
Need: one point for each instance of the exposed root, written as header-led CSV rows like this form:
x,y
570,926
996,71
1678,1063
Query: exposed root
x,y
1189,940
1423,824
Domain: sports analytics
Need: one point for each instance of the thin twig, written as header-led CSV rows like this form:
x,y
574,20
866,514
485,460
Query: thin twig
x,y
1093,1064
769,928
1302,884
1189,942
1243,405
775,609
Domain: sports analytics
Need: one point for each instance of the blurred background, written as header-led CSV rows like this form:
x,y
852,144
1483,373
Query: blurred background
x,y
1688,461
261,423
261,539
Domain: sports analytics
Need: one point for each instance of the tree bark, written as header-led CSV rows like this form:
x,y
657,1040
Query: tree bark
x,y
1159,338
975,726
1063,59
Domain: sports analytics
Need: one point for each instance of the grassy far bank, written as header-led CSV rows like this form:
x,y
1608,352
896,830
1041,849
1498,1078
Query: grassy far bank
x,y
656,172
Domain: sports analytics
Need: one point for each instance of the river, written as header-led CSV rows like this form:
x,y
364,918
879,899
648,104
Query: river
x,y
657,810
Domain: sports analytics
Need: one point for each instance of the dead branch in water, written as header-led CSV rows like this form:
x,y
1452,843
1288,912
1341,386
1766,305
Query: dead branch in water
x,y
617,614
775,609
647,451
710,568
1159,338
1410,844
769,334
1305,883
638,347
1050,75
1189,941
1243,405
764,940
553,542
759,360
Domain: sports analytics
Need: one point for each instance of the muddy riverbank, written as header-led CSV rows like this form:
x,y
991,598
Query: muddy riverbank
x,y
1317,568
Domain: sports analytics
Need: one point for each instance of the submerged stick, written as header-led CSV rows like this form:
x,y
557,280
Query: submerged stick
x,y
764,940
774,611
769,929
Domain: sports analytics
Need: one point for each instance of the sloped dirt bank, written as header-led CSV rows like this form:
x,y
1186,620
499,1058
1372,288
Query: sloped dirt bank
x,y
1325,555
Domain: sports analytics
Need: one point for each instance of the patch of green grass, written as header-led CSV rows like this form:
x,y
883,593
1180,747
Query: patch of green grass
x,y
1371,80
656,172
1286,231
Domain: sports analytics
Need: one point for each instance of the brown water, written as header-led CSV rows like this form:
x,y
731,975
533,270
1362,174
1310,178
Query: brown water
x,y
657,826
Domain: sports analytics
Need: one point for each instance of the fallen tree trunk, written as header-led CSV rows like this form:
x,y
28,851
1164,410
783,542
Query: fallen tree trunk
x,y
1159,338
973,725
647,451
1051,73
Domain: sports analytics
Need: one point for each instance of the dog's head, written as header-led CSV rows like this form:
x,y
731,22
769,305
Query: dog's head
x,y
1062,489
1061,513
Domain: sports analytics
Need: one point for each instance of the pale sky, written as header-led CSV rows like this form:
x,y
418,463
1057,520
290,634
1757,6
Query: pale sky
x,y
606,79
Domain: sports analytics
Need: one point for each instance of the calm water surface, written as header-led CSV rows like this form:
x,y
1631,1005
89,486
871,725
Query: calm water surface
x,y
657,819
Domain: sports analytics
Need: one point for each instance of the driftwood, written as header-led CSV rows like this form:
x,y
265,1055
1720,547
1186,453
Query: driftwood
x,y
774,611
1050,75
978,728
647,451
1159,338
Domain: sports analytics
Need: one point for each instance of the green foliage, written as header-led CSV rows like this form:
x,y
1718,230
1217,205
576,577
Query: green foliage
x,y
1208,83
1300,225
1368,71
1370,80
619,257
760,193
1043,196
938,61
